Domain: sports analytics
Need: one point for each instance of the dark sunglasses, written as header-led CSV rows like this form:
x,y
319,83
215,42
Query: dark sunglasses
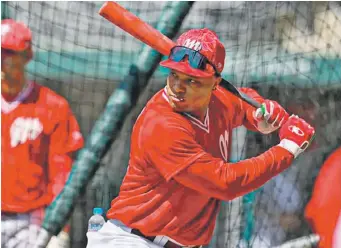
x,y
9,52
195,58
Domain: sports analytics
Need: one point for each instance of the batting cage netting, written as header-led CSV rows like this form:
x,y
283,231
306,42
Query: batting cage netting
x,y
288,51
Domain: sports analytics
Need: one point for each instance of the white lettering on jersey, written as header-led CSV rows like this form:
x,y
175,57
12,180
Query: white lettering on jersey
x,y
4,29
224,145
193,44
23,129
76,135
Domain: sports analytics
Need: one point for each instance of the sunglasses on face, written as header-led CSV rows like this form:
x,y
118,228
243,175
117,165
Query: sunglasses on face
x,y
5,53
195,59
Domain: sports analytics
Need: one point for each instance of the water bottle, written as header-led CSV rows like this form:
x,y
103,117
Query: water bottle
x,y
96,221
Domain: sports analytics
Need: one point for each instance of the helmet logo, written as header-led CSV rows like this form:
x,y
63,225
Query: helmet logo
x,y
193,44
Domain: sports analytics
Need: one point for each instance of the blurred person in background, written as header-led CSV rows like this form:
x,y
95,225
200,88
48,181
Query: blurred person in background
x,y
278,214
39,136
280,203
323,212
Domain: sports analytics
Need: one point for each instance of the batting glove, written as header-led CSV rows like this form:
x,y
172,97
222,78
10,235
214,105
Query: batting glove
x,y
270,116
43,238
60,241
296,135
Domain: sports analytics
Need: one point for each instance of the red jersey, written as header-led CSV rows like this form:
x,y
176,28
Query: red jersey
x,y
178,171
324,207
38,135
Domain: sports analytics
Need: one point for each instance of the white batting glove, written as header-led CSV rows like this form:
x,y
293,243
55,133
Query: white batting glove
x,y
60,241
42,239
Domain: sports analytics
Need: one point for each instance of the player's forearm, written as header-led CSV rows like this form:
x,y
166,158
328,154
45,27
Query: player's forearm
x,y
55,187
226,181
250,123
248,175
59,171
249,120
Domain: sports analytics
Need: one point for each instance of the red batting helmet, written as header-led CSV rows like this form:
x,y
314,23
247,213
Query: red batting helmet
x,y
15,36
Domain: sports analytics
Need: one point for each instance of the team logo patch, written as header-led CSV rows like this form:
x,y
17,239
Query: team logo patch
x,y
296,130
224,145
23,129
5,29
193,44
76,135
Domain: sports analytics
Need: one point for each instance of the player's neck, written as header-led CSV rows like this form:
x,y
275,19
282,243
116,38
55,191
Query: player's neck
x,y
10,94
200,114
9,97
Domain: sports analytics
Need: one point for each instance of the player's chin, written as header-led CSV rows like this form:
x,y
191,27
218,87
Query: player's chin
x,y
180,107
7,89
10,91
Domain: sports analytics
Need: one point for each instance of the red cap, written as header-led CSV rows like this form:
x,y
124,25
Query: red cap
x,y
208,44
15,36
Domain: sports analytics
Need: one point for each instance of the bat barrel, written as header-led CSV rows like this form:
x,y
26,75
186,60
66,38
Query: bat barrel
x,y
133,25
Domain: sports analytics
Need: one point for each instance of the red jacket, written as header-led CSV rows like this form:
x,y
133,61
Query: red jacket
x,y
324,207
39,133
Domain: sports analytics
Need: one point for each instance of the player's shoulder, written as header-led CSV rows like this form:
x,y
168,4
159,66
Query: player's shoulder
x,y
51,98
333,161
228,99
158,113
223,97
336,155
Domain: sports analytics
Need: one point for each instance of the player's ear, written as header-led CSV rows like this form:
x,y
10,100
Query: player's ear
x,y
217,81
28,55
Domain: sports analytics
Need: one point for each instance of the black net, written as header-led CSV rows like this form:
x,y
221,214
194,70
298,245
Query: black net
x,y
288,51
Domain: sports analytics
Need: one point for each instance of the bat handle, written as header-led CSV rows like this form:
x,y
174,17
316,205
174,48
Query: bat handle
x,y
252,102
255,104
230,87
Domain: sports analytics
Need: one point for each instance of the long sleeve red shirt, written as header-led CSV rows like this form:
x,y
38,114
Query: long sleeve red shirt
x,y
179,171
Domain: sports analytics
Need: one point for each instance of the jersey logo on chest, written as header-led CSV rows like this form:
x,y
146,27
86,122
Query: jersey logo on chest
x,y
224,145
23,129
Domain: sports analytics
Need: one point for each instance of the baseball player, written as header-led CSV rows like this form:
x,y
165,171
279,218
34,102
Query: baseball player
x,y
179,170
39,135
323,211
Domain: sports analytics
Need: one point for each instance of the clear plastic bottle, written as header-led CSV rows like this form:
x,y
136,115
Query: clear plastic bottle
x,y
96,221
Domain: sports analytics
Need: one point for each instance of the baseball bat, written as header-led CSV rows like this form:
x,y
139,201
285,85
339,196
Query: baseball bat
x,y
142,31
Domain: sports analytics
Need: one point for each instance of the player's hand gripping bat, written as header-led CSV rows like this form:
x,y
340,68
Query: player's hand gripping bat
x,y
142,31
